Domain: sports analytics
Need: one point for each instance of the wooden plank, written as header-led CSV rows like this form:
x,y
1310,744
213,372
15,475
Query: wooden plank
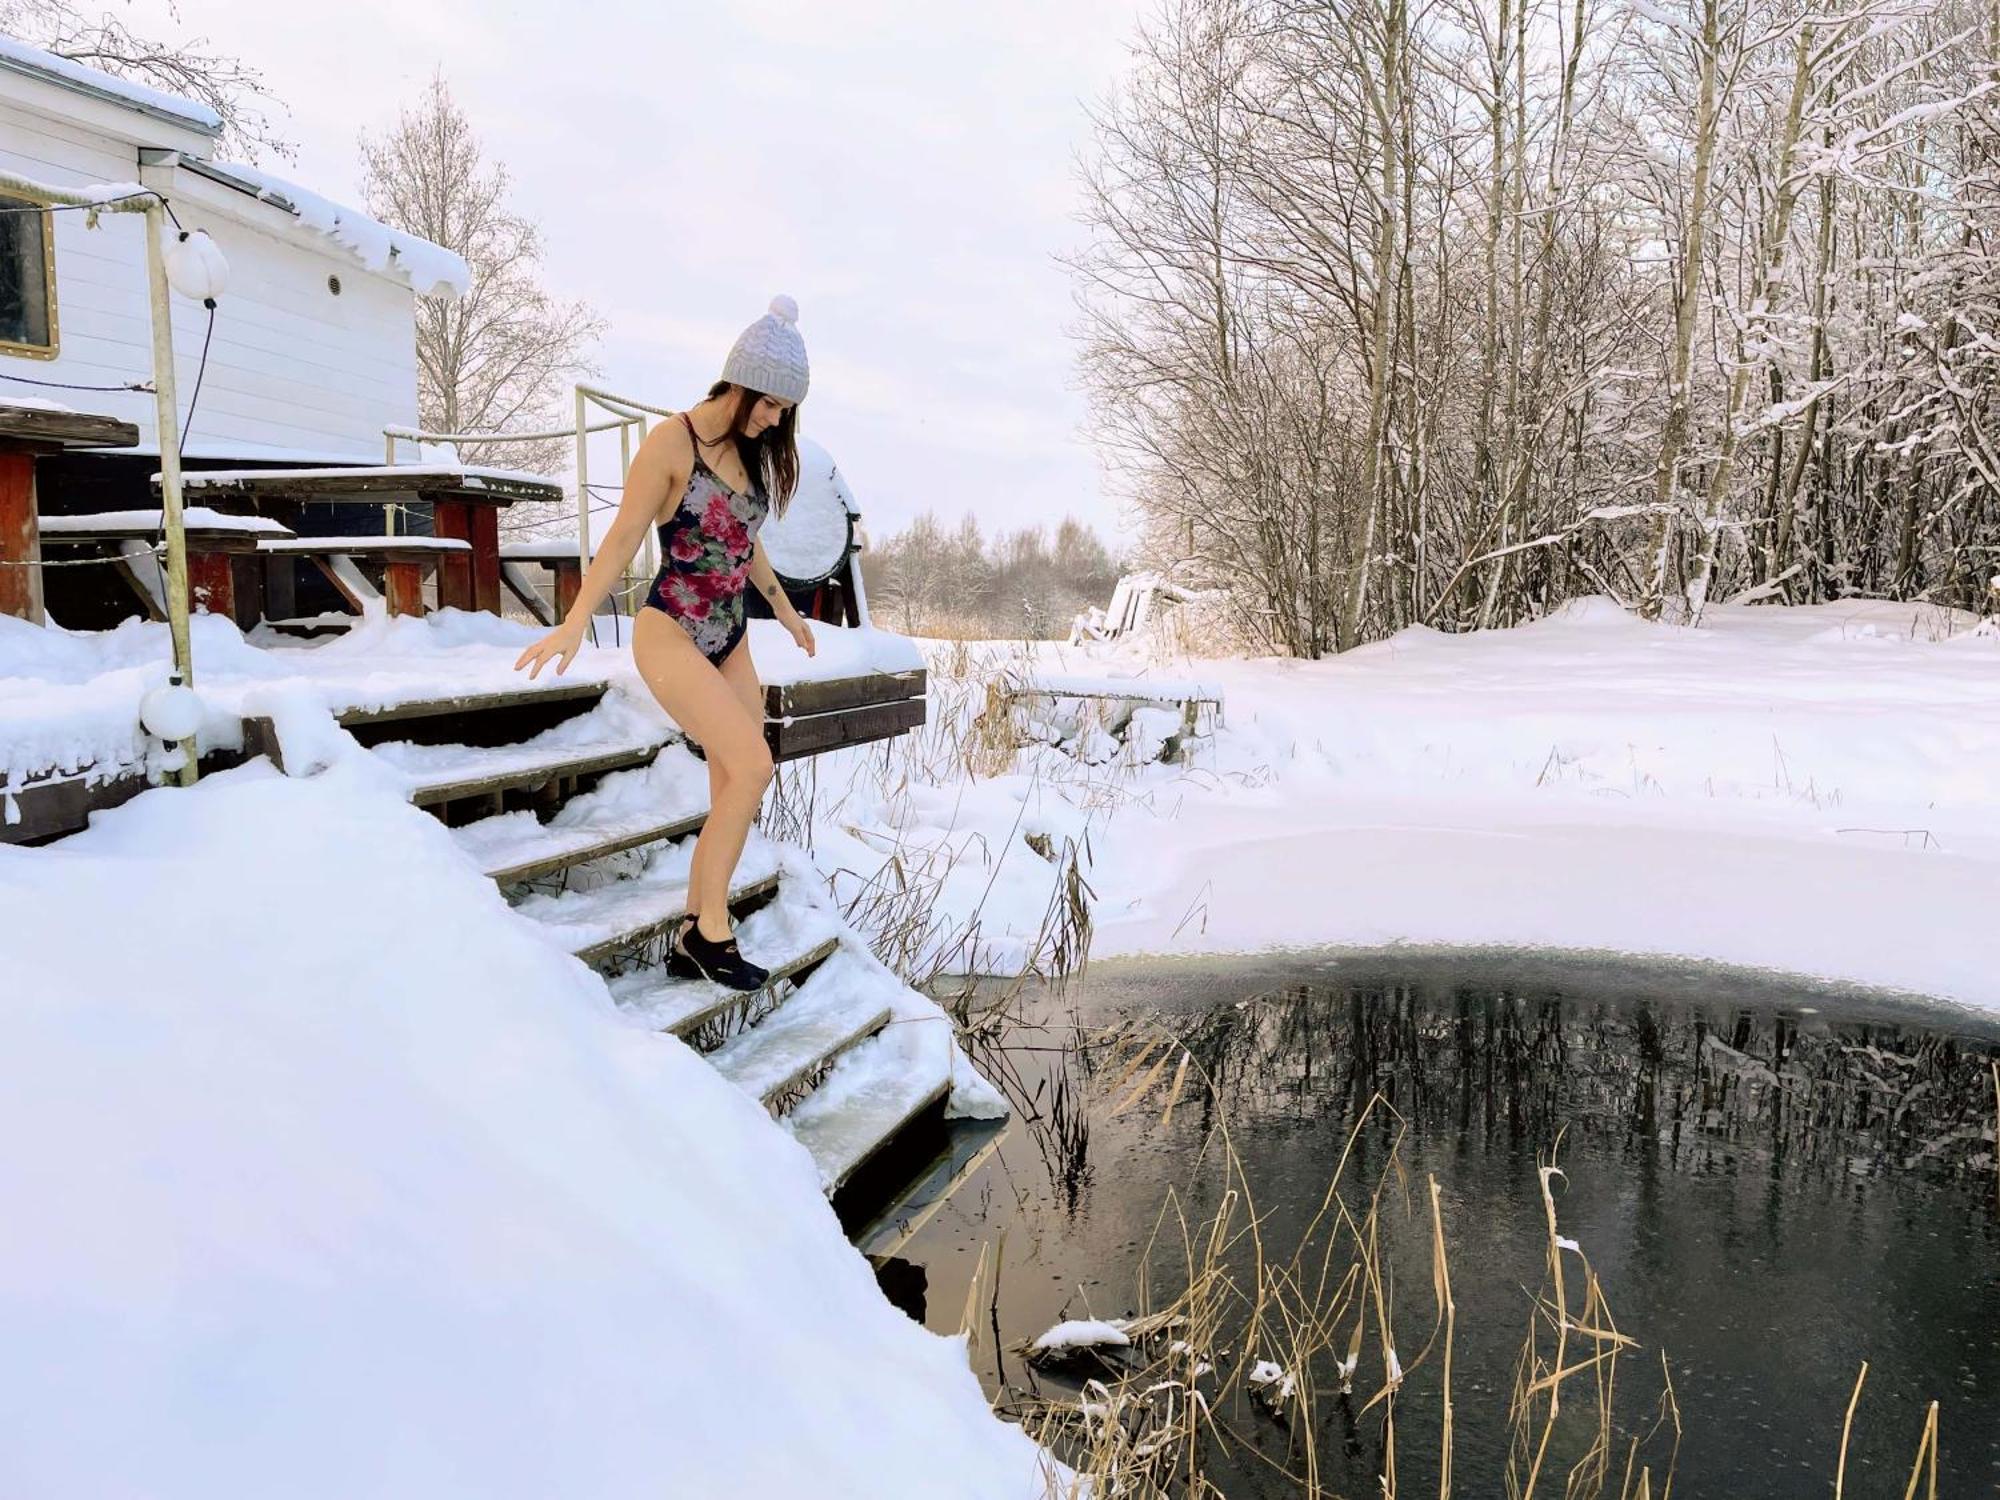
x,y
796,699
20,540
139,565
364,482
353,584
70,429
581,764
747,894
534,869
423,708
515,576
832,731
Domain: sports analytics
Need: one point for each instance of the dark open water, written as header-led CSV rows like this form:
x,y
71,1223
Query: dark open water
x,y
1774,1182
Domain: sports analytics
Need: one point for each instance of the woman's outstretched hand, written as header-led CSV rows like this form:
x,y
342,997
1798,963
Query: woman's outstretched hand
x,y
802,633
561,644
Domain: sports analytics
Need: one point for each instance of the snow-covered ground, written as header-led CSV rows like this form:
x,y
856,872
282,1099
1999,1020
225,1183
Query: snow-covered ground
x,y
326,1175
1815,791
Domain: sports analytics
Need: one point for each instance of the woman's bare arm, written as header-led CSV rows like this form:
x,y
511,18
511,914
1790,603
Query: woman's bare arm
x,y
659,468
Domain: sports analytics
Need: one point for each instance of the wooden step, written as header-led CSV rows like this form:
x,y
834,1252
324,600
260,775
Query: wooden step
x,y
597,924
841,1139
968,1146
441,773
464,703
514,847
683,1006
828,1015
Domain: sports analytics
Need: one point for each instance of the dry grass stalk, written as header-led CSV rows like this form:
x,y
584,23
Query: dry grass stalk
x,y
1846,1431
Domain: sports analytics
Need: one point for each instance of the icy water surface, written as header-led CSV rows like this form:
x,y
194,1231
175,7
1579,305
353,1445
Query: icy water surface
x,y
1774,1182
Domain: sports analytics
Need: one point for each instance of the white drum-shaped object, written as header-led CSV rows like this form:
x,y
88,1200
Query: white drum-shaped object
x,y
810,542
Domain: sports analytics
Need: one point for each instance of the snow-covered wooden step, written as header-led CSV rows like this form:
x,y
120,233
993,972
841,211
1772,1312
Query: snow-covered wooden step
x,y
596,924
513,847
881,1092
439,773
681,1006
812,1028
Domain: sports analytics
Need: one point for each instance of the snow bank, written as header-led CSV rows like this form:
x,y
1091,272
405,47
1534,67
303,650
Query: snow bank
x,y
375,1193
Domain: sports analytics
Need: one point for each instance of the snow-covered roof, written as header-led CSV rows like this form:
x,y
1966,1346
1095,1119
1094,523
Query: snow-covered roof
x,y
430,270
19,57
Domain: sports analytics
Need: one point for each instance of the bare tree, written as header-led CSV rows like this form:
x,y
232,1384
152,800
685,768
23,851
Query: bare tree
x,y
189,69
502,357
1444,314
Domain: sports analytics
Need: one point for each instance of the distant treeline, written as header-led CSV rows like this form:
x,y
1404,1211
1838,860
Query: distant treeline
x,y
931,579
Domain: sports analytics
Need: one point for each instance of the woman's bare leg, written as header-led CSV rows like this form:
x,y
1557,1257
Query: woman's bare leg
x,y
698,698
741,675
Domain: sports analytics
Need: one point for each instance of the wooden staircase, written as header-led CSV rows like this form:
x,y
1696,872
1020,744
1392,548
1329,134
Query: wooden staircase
x,y
598,864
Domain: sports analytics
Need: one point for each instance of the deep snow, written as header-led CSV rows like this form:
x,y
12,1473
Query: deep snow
x,y
326,1176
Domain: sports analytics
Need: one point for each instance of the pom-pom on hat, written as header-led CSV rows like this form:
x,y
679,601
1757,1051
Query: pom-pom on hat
x,y
770,357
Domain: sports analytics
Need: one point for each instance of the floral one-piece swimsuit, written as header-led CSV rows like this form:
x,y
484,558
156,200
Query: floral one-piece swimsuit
x,y
705,551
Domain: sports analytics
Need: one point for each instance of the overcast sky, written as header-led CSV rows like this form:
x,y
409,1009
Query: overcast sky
x,y
904,168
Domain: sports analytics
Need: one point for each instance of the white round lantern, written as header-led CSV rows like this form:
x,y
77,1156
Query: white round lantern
x,y
196,267
171,711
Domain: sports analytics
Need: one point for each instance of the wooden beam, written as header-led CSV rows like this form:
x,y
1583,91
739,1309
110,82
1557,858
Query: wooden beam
x,y
515,576
793,699
20,540
69,429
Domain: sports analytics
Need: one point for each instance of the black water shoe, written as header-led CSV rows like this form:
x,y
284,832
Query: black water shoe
x,y
722,963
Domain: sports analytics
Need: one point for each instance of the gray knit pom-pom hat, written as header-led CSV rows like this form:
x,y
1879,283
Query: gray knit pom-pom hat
x,y
770,357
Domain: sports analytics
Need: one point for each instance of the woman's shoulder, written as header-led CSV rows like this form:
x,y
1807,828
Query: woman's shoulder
x,y
669,438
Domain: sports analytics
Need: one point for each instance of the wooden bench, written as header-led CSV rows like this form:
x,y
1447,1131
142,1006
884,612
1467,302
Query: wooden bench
x,y
405,562
28,431
1135,692
221,555
465,503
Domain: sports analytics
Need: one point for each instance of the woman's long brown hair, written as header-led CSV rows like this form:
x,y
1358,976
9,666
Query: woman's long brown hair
x,y
775,455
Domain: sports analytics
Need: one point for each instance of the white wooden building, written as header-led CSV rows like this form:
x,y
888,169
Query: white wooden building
x,y
313,352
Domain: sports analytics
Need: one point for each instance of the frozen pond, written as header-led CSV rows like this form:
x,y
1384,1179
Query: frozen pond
x,y
1774,1182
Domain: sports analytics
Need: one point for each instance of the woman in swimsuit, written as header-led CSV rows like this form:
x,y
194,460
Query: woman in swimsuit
x,y
707,481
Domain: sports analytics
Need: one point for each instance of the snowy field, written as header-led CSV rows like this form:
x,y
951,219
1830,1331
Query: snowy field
x,y
337,1180
1814,791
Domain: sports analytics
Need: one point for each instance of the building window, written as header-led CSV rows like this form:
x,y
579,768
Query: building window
x,y
27,281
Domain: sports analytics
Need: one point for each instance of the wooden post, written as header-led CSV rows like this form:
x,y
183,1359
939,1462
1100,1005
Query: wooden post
x,y
212,583
403,584
452,520
484,526
20,539
569,584
168,430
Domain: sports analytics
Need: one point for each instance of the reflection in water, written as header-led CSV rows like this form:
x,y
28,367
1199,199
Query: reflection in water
x,y
1798,1090
1773,1188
